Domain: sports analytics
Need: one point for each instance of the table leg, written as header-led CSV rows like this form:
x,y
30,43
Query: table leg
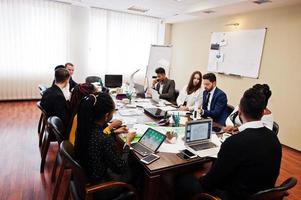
x,y
152,187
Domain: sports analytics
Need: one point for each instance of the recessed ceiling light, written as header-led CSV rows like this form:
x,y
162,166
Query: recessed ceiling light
x,y
138,9
262,1
208,11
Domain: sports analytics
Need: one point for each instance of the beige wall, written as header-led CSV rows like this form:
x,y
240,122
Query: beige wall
x,y
280,67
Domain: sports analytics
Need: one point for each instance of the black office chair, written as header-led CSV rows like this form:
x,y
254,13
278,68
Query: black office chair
x,y
42,89
276,193
177,92
93,79
275,128
230,109
79,188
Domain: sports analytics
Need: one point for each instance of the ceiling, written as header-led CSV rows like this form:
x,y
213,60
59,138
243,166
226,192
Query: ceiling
x,y
173,11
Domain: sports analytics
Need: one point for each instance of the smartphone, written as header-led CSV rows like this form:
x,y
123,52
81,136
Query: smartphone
x,y
188,153
150,158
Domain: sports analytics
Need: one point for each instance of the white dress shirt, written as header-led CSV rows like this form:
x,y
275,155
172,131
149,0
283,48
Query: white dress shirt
x,y
267,120
210,98
252,124
66,92
193,100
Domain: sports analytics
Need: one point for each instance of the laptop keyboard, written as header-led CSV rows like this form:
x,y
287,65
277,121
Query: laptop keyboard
x,y
141,149
203,146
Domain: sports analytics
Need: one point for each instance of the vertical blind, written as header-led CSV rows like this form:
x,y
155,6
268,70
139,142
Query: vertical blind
x,y
35,37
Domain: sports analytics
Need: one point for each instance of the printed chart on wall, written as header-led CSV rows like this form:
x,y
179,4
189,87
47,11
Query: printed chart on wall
x,y
237,52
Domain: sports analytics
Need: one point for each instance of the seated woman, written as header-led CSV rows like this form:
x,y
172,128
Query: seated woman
x,y
78,93
95,146
233,121
191,96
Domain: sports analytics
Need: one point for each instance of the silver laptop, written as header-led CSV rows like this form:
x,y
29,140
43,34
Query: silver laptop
x,y
156,98
198,134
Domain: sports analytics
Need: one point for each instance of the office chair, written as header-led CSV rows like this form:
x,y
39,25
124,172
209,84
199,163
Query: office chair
x,y
276,193
230,109
79,188
275,128
42,89
42,124
93,79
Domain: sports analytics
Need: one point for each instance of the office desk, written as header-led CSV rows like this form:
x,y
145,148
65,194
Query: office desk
x,y
168,163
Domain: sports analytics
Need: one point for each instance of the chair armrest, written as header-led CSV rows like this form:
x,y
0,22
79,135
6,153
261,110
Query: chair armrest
x,y
107,185
205,196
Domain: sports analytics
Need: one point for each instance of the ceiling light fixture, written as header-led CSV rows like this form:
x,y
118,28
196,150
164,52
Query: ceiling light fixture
x,y
208,11
262,1
138,9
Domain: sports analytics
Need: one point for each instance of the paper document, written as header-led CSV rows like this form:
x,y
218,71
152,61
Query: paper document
x,y
130,112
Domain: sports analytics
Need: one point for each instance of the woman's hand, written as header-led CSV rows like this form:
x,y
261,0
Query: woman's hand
x,y
130,137
183,108
116,123
122,129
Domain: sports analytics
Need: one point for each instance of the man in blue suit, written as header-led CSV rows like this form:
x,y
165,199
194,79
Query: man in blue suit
x,y
214,100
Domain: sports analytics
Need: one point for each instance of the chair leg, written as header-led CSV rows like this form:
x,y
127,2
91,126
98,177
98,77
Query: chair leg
x,y
42,133
53,174
40,123
58,180
44,152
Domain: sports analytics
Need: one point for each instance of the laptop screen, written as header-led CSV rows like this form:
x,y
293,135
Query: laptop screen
x,y
152,139
198,130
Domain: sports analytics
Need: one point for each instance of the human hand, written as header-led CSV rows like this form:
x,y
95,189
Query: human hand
x,y
122,129
154,82
116,123
130,137
183,108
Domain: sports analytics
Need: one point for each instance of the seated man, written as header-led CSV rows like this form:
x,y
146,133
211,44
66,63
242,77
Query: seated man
x,y
70,68
247,162
164,86
214,100
53,100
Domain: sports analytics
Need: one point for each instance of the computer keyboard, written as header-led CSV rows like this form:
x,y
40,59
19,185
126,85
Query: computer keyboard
x,y
141,149
203,146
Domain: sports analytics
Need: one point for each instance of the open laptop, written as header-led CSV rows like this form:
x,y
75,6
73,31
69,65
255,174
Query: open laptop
x,y
156,113
156,98
198,134
149,143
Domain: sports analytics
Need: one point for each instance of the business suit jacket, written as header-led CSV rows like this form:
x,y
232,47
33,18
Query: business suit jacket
x,y
218,107
168,92
247,162
72,84
55,104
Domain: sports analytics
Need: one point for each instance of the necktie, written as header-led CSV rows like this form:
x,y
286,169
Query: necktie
x,y
207,101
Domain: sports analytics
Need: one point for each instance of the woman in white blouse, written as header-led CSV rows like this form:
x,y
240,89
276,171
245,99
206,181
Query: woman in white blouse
x,y
233,121
191,96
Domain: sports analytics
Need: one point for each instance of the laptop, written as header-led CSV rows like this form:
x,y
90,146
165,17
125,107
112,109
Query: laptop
x,y
156,113
156,98
149,143
113,81
198,134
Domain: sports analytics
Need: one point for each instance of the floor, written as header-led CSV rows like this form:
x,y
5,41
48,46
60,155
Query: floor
x,y
20,158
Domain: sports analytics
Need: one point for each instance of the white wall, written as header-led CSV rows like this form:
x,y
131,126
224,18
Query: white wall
x,y
280,67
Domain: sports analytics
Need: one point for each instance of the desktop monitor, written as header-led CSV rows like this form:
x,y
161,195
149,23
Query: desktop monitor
x,y
113,81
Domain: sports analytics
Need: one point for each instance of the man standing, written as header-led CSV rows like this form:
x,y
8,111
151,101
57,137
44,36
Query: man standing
x,y
164,86
70,68
214,100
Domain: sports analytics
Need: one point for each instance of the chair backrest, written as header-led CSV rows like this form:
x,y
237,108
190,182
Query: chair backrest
x,y
78,175
42,109
56,127
230,109
42,89
275,128
177,92
276,193
93,79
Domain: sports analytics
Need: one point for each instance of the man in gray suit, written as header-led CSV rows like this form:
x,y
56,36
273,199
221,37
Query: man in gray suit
x,y
164,86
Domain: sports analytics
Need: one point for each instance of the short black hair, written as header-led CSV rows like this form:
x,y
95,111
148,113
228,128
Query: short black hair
x,y
252,104
61,75
69,64
160,70
210,76
59,67
265,90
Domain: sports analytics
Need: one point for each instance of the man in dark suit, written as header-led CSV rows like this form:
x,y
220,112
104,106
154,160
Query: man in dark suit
x,y
164,86
70,68
53,100
247,162
214,100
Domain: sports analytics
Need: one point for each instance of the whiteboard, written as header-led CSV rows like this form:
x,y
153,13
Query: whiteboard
x,y
159,56
237,52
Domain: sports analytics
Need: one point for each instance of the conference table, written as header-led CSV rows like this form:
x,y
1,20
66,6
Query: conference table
x,y
168,163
